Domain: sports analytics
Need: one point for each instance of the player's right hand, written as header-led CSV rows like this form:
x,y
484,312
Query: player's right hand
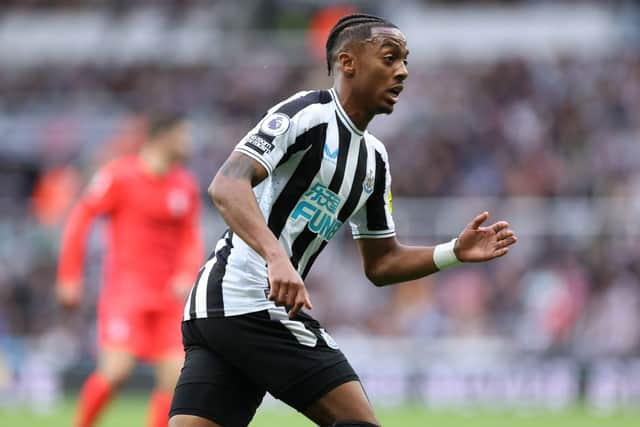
x,y
287,287
69,295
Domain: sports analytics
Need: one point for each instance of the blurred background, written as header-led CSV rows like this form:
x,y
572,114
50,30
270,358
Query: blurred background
x,y
527,109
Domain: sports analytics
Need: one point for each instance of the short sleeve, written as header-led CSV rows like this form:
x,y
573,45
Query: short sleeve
x,y
101,194
268,141
374,219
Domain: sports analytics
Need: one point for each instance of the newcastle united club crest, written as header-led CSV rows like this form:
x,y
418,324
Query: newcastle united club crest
x,y
369,182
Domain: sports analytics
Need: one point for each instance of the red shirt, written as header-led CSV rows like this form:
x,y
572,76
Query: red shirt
x,y
153,233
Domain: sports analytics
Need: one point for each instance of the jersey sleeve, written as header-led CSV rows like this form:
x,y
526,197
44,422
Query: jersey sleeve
x,y
374,219
100,197
269,140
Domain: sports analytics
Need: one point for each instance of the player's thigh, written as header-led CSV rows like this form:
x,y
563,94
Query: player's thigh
x,y
346,402
210,388
115,364
166,371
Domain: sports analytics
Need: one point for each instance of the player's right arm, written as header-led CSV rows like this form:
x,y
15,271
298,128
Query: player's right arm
x,y
99,198
232,193
255,157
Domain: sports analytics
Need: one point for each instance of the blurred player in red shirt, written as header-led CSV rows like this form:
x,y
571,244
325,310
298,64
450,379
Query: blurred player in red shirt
x,y
153,254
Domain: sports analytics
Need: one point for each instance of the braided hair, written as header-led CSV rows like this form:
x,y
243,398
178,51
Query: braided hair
x,y
351,27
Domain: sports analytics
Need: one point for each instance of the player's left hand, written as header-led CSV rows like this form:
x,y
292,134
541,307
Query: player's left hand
x,y
476,243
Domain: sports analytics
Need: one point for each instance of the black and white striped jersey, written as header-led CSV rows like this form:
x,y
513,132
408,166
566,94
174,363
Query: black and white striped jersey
x,y
323,171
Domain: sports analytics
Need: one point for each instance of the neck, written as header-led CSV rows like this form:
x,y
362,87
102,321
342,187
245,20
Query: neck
x,y
155,160
355,110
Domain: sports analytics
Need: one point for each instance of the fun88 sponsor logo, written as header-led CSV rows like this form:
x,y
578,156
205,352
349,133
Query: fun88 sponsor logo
x,y
319,207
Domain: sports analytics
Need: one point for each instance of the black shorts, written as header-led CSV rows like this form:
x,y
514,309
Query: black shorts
x,y
231,362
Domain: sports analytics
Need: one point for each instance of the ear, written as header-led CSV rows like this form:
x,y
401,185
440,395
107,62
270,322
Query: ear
x,y
346,60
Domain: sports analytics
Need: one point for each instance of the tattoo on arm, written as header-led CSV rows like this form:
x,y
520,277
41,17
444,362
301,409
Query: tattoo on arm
x,y
240,167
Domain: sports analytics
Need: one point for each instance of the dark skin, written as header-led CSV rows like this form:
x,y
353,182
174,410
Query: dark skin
x,y
373,72
369,76
232,192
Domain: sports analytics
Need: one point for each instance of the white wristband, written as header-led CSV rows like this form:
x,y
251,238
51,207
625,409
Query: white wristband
x,y
443,255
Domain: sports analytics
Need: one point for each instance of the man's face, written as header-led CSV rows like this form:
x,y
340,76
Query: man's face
x,y
381,68
177,141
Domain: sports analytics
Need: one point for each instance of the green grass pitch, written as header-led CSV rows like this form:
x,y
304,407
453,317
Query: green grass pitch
x,y
129,410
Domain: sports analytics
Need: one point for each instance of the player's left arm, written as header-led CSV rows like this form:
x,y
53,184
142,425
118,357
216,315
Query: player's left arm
x,y
386,261
190,249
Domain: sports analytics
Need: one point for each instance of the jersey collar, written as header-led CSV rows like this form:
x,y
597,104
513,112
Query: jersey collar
x,y
343,115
